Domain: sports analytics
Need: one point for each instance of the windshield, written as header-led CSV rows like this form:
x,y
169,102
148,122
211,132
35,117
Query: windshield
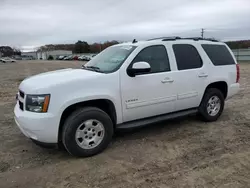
x,y
111,59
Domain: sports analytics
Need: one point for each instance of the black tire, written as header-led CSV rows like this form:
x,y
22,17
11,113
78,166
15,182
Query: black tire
x,y
73,122
203,113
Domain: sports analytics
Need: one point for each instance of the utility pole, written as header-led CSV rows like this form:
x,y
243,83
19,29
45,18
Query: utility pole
x,y
202,32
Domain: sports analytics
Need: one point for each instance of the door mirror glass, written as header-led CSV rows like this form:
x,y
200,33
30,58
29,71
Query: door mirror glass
x,y
139,68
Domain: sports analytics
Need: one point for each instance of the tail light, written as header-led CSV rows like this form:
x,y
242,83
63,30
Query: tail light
x,y
238,73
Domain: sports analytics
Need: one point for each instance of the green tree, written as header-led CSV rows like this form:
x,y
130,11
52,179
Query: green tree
x,y
6,51
81,47
95,48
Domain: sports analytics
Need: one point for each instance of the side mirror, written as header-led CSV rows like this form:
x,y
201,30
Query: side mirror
x,y
139,68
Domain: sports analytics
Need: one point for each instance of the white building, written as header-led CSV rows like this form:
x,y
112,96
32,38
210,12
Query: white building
x,y
55,53
29,54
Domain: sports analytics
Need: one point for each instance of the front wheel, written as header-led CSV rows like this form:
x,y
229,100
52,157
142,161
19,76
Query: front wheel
x,y
211,105
87,132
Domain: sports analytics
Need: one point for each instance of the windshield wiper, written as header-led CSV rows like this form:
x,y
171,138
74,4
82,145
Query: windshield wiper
x,y
97,69
93,67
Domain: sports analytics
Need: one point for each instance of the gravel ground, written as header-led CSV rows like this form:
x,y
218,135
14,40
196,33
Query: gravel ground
x,y
179,153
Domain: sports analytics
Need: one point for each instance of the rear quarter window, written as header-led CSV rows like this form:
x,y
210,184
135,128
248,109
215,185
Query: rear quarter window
x,y
218,54
187,57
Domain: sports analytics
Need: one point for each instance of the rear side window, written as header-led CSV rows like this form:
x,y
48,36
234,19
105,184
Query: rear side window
x,y
218,54
187,57
156,56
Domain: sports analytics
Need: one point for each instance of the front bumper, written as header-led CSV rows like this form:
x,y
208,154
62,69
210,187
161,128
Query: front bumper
x,y
42,127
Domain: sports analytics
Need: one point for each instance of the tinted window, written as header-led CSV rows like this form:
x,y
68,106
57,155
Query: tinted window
x,y
187,57
218,54
156,56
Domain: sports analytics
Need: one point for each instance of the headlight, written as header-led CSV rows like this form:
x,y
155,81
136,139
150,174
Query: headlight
x,y
37,103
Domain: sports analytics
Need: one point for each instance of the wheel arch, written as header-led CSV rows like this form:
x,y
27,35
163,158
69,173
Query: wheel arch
x,y
220,85
104,104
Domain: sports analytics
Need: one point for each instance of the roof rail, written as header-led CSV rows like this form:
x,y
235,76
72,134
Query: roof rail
x,y
134,41
200,38
179,38
165,38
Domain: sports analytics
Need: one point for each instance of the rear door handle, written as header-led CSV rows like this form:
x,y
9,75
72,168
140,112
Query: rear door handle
x,y
203,75
167,80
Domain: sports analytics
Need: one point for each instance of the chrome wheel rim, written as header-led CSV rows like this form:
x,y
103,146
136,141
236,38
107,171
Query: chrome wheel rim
x,y
213,106
89,134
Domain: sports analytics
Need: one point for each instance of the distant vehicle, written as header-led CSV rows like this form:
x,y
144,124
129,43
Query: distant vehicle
x,y
126,86
88,58
81,58
61,57
84,58
7,60
75,57
70,57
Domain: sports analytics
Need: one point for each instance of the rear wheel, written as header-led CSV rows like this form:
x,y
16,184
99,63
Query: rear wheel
x,y
212,105
87,132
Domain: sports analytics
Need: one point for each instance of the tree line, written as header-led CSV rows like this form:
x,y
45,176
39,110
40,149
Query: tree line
x,y
239,44
8,51
84,47
79,47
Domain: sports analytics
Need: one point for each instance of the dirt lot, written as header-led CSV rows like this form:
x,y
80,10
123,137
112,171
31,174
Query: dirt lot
x,y
180,153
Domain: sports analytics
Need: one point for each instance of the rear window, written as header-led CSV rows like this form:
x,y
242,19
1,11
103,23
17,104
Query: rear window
x,y
218,54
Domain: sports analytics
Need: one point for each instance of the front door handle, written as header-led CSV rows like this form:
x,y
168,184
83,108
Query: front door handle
x,y
203,75
167,80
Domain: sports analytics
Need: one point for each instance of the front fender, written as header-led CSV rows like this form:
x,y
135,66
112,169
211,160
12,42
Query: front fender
x,y
72,99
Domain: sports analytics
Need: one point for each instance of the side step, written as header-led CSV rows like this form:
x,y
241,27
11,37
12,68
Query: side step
x,y
155,119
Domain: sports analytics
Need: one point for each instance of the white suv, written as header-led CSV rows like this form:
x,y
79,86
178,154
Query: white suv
x,y
125,86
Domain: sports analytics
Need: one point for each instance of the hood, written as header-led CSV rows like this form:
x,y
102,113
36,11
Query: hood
x,y
33,84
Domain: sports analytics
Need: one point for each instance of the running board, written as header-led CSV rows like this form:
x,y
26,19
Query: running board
x,y
155,119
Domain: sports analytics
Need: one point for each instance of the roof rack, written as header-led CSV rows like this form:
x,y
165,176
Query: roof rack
x,y
179,38
134,41
165,38
200,38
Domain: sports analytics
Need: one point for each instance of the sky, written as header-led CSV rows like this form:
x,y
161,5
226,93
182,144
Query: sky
x,y
26,24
